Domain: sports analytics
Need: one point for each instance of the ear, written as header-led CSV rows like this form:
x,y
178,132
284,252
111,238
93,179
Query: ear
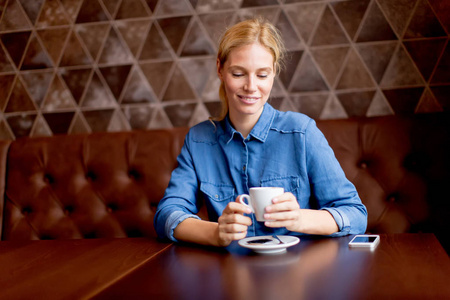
x,y
219,69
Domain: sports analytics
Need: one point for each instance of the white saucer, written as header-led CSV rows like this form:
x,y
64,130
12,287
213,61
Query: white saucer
x,y
271,246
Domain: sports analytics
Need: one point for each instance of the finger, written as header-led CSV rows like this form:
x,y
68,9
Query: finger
x,y
232,228
280,216
236,208
282,207
285,197
280,224
235,219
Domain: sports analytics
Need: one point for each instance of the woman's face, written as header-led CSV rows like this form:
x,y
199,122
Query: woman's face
x,y
248,76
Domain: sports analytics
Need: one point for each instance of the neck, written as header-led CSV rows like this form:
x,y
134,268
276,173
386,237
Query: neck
x,y
244,124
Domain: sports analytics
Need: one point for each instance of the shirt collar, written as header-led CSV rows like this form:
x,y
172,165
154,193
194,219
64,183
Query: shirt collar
x,y
261,129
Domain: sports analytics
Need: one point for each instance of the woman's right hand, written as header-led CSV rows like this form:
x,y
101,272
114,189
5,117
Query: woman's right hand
x,y
232,224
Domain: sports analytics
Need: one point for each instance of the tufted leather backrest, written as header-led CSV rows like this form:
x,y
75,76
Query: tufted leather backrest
x,y
4,145
88,186
109,184
400,167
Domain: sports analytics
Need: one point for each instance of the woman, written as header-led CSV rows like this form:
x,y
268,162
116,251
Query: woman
x,y
252,144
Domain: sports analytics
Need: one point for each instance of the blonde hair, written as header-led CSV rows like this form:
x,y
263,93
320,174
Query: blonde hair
x,y
247,32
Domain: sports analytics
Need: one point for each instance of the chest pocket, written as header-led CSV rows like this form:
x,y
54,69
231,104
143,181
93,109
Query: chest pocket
x,y
289,183
217,193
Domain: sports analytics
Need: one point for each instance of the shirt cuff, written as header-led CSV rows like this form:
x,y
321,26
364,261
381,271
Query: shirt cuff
x,y
173,220
341,220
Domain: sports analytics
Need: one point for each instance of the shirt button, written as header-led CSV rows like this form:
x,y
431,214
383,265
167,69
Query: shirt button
x,y
244,167
216,196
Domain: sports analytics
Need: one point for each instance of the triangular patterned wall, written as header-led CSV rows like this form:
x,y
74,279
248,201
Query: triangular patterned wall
x,y
73,66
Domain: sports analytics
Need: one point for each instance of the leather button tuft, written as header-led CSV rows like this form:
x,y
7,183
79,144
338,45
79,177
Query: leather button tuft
x,y
111,207
49,179
68,210
363,165
91,176
134,174
392,199
26,210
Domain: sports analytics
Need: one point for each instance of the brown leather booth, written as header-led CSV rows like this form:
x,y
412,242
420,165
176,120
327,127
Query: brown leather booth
x,y
109,184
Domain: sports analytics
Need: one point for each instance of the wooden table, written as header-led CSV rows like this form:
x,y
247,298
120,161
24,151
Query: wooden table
x,y
69,269
403,266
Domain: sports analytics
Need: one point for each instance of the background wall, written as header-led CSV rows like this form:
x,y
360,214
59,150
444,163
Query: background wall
x,y
72,66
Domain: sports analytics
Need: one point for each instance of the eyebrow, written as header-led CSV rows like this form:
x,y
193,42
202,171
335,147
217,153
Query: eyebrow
x,y
267,69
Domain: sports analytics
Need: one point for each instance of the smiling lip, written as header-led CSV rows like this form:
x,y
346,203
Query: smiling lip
x,y
249,100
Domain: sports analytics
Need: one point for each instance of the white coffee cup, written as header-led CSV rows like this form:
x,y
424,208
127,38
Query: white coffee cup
x,y
259,198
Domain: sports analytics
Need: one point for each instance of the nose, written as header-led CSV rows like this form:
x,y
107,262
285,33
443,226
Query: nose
x,y
250,85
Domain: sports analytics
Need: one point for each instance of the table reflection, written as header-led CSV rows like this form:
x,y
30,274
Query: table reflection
x,y
239,273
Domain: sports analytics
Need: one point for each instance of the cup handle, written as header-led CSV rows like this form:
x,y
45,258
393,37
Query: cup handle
x,y
242,201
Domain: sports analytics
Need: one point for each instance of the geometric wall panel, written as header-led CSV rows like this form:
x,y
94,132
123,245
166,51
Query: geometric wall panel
x,y
442,72
424,23
304,17
425,54
351,13
354,74
375,19
401,71
376,57
74,66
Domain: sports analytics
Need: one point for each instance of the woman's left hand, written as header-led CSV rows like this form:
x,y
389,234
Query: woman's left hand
x,y
284,212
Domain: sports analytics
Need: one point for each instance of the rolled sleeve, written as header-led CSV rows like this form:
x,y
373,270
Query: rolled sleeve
x,y
174,219
342,222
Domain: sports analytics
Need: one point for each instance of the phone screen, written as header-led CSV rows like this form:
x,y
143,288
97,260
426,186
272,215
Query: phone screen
x,y
364,239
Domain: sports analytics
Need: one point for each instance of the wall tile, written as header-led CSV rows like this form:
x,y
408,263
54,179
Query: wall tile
x,y
442,71
329,31
58,96
307,77
356,104
351,14
53,40
424,23
404,100
91,11
31,8
401,71
14,17
92,37
76,80
19,100
178,88
180,114
35,56
116,77
375,27
37,84
52,14
354,74
74,53
15,43
138,89
59,123
132,9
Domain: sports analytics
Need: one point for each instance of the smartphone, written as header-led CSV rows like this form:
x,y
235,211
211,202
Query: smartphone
x,y
365,241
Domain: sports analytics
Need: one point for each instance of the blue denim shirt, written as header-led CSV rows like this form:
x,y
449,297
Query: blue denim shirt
x,y
284,149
